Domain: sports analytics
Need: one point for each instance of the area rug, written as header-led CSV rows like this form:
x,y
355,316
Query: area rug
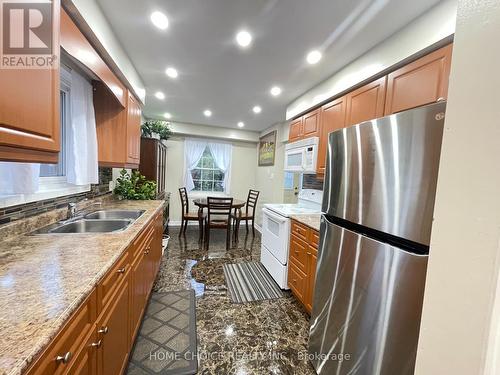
x,y
249,281
166,343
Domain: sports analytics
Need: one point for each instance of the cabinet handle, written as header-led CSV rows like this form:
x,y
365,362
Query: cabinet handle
x,y
103,330
121,270
308,253
440,99
294,281
96,344
64,358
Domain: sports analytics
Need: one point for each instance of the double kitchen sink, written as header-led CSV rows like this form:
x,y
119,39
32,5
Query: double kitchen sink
x,y
102,221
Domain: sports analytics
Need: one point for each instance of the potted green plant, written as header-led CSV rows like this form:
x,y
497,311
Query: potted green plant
x,y
134,186
157,129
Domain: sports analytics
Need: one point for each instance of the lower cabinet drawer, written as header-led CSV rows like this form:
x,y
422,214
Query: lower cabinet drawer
x,y
298,252
60,356
297,281
111,281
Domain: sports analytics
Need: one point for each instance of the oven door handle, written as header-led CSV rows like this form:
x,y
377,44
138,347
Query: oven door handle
x,y
276,217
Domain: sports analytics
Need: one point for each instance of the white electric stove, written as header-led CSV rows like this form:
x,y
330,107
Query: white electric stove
x,y
276,232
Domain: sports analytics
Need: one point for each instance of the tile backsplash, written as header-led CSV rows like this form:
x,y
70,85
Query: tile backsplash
x,y
22,211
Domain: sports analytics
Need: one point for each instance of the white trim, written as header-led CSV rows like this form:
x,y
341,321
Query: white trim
x,y
50,187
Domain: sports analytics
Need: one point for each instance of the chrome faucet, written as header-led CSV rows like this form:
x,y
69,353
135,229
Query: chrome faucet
x,y
73,212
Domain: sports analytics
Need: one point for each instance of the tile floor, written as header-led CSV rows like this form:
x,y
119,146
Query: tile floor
x,y
266,337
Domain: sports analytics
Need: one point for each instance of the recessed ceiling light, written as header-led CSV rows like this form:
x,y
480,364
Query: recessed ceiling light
x,y
241,124
244,38
159,95
171,72
257,109
160,20
313,57
167,115
275,91
207,113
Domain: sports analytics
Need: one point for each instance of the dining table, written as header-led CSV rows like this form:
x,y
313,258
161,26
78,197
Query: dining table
x,y
202,203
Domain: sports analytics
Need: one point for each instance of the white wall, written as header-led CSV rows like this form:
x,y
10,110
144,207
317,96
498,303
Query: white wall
x,y
431,27
269,180
459,332
243,166
95,18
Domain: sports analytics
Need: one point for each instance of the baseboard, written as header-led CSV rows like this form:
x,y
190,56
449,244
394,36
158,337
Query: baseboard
x,y
178,224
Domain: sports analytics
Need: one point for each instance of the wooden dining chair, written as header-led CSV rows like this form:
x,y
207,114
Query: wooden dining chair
x,y
249,214
219,216
189,216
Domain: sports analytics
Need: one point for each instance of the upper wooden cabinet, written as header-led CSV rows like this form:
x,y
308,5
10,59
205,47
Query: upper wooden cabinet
x,y
366,103
296,130
133,130
421,82
332,118
311,124
118,129
304,127
29,108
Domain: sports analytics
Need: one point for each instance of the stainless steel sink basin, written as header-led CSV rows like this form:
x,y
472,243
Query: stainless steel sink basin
x,y
115,214
85,226
92,226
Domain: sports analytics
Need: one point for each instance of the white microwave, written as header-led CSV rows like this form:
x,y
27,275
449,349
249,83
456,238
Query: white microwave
x,y
302,156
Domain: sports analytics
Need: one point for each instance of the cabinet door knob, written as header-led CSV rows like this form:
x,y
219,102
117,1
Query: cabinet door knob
x,y
103,330
308,253
121,270
64,358
440,99
96,344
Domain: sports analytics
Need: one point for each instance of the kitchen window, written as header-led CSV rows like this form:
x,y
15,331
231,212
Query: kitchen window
x,y
206,176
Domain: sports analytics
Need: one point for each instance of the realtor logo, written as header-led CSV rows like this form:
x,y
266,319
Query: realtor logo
x,y
26,34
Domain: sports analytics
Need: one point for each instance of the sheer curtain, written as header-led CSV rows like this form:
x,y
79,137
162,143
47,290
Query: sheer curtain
x,y
19,178
82,162
193,151
222,152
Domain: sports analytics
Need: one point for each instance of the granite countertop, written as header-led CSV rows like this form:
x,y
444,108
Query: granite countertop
x,y
311,220
44,278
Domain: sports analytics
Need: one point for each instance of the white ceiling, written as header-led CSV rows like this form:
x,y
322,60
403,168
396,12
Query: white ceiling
x,y
215,73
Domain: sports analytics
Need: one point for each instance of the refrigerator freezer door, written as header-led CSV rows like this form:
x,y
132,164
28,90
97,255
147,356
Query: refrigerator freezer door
x,y
368,306
382,174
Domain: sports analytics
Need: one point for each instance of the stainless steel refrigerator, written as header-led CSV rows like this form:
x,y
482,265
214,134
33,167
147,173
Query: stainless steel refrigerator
x,y
378,202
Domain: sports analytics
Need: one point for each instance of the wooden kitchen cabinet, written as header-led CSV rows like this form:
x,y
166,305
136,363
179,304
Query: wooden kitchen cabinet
x,y
332,118
366,103
29,109
133,130
154,163
305,126
99,335
311,124
302,263
421,82
113,338
296,130
118,129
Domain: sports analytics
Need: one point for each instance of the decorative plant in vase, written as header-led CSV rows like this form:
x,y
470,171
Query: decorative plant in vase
x,y
150,128
134,186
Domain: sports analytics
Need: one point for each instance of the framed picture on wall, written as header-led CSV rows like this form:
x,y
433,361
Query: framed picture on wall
x,y
267,149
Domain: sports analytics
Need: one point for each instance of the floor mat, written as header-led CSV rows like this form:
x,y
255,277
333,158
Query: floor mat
x,y
249,281
166,343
